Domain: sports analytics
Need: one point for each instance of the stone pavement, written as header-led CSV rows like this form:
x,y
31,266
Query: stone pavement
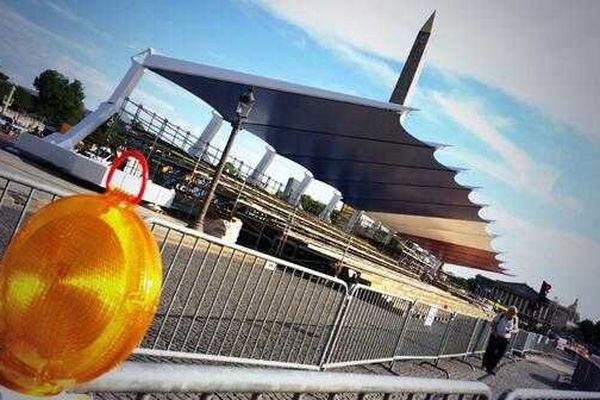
x,y
533,372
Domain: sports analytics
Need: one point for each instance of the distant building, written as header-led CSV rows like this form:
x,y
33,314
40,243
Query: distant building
x,y
532,311
563,316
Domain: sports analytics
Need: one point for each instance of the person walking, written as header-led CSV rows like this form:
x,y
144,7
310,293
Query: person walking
x,y
504,325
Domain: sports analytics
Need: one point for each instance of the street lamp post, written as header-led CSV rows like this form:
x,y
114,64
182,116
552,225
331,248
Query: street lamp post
x,y
244,107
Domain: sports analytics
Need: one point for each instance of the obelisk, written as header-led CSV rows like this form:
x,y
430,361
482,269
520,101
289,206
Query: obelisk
x,y
413,65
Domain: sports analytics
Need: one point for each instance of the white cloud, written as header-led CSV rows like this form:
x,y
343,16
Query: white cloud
x,y
63,10
567,260
164,85
377,70
516,168
14,26
543,52
26,49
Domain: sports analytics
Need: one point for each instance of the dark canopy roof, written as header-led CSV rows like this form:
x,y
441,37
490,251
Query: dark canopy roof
x,y
354,144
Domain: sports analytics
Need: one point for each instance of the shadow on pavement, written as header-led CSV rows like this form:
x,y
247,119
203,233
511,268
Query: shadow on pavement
x,y
548,381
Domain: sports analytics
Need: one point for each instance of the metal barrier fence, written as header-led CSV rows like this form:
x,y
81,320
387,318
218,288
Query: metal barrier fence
x,y
210,380
380,327
225,302
369,328
19,198
529,342
160,131
480,339
587,374
545,394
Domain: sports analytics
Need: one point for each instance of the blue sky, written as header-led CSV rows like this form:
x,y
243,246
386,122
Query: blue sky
x,y
511,94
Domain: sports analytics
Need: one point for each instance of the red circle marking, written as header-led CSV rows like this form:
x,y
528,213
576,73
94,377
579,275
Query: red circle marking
x,y
139,157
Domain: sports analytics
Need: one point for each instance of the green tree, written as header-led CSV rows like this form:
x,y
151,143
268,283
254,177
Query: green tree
x,y
5,85
23,100
230,169
59,99
311,205
587,329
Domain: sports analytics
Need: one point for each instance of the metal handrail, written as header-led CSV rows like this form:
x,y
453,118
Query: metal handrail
x,y
147,378
220,242
587,374
36,185
535,394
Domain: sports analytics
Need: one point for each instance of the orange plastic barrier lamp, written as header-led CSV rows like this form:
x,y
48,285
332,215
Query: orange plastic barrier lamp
x,y
79,287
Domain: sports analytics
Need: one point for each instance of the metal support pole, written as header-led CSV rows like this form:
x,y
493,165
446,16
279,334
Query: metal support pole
x,y
260,233
237,199
469,349
409,313
335,332
347,247
286,230
156,137
441,348
198,223
136,116
445,339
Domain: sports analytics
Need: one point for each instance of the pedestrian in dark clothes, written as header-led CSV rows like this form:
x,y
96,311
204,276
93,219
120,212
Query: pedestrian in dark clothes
x,y
504,325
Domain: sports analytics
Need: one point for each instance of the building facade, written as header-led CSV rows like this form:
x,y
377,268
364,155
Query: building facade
x,y
532,311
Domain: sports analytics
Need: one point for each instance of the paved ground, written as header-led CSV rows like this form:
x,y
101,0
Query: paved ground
x,y
533,372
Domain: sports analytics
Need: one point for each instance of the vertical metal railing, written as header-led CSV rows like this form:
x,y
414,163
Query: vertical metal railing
x,y
586,375
20,198
222,302
425,333
459,336
152,131
369,329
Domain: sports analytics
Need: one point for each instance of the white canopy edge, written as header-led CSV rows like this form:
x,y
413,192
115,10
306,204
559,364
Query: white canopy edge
x,y
190,68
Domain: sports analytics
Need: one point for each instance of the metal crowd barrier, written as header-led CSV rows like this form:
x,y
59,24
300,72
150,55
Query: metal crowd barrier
x,y
369,329
529,342
223,302
480,339
587,374
547,394
19,198
144,378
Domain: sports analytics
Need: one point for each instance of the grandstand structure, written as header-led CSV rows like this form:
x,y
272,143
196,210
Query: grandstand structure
x,y
354,144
